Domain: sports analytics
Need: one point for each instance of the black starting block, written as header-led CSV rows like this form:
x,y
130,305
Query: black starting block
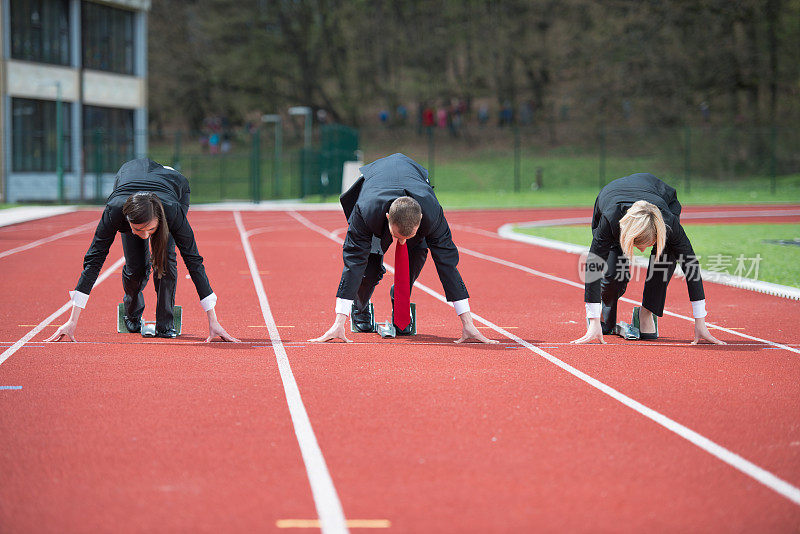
x,y
148,328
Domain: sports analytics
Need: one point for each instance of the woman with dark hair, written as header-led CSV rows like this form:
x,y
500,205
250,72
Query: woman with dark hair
x,y
149,203
639,211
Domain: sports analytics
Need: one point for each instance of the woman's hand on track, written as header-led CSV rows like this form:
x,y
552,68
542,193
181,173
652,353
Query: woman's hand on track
x,y
701,332
470,331
594,331
215,330
66,329
334,332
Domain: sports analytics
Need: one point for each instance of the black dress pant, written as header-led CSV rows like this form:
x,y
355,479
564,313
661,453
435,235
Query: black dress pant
x,y
135,274
375,271
615,282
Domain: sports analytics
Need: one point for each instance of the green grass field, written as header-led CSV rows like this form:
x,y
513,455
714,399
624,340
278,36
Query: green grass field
x,y
716,244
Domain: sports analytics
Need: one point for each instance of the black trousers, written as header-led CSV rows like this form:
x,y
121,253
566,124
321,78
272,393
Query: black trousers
x,y
135,274
618,274
375,271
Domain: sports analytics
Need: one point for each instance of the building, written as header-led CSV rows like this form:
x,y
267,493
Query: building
x,y
76,67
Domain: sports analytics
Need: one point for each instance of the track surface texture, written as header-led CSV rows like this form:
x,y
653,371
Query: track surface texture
x,y
117,433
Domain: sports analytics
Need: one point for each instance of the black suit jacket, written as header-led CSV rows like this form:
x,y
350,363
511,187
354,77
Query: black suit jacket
x,y
366,204
611,205
172,188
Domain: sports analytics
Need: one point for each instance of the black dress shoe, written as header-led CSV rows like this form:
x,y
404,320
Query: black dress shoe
x,y
169,333
645,336
408,330
608,318
362,320
405,331
133,325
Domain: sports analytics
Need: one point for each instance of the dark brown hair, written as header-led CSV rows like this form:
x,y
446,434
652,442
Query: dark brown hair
x,y
141,208
405,213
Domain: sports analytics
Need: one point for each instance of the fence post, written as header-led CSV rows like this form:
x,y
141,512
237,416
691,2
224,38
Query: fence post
x,y
687,172
276,183
517,170
255,168
602,156
430,154
222,173
176,157
773,167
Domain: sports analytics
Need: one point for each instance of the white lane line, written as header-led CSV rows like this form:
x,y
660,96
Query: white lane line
x,y
34,244
625,299
750,469
41,326
329,508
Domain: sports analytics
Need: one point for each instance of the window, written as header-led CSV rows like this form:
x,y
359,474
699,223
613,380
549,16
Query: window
x,y
40,31
34,138
108,138
107,38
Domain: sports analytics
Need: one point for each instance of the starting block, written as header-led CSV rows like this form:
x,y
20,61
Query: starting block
x,y
148,328
388,329
633,330
626,331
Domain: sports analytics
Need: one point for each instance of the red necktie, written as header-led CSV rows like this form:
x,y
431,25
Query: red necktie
x,y
402,288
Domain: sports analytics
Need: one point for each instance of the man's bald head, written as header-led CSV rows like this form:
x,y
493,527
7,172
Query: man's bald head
x,y
405,214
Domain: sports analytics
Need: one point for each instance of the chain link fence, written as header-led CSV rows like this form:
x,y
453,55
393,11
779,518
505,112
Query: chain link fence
x,y
252,165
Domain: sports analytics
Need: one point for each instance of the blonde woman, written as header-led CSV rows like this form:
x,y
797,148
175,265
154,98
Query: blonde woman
x,y
639,211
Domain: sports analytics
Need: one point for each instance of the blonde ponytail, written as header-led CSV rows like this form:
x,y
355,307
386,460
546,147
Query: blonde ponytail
x,y
642,226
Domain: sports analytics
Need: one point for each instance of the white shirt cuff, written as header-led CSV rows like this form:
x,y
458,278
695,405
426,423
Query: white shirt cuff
x,y
594,310
699,309
78,299
461,306
343,306
209,302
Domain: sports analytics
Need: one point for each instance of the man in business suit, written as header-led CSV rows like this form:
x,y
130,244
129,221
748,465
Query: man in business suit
x,y
393,200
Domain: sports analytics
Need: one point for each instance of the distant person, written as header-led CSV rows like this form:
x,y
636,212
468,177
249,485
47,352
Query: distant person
x,y
393,201
213,143
483,114
428,120
148,208
639,211
402,115
705,112
226,142
441,117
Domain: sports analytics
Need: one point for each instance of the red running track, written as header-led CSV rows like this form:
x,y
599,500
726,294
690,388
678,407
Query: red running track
x,y
120,434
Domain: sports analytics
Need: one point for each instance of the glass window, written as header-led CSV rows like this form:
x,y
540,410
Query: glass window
x,y
40,31
107,38
108,138
33,135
